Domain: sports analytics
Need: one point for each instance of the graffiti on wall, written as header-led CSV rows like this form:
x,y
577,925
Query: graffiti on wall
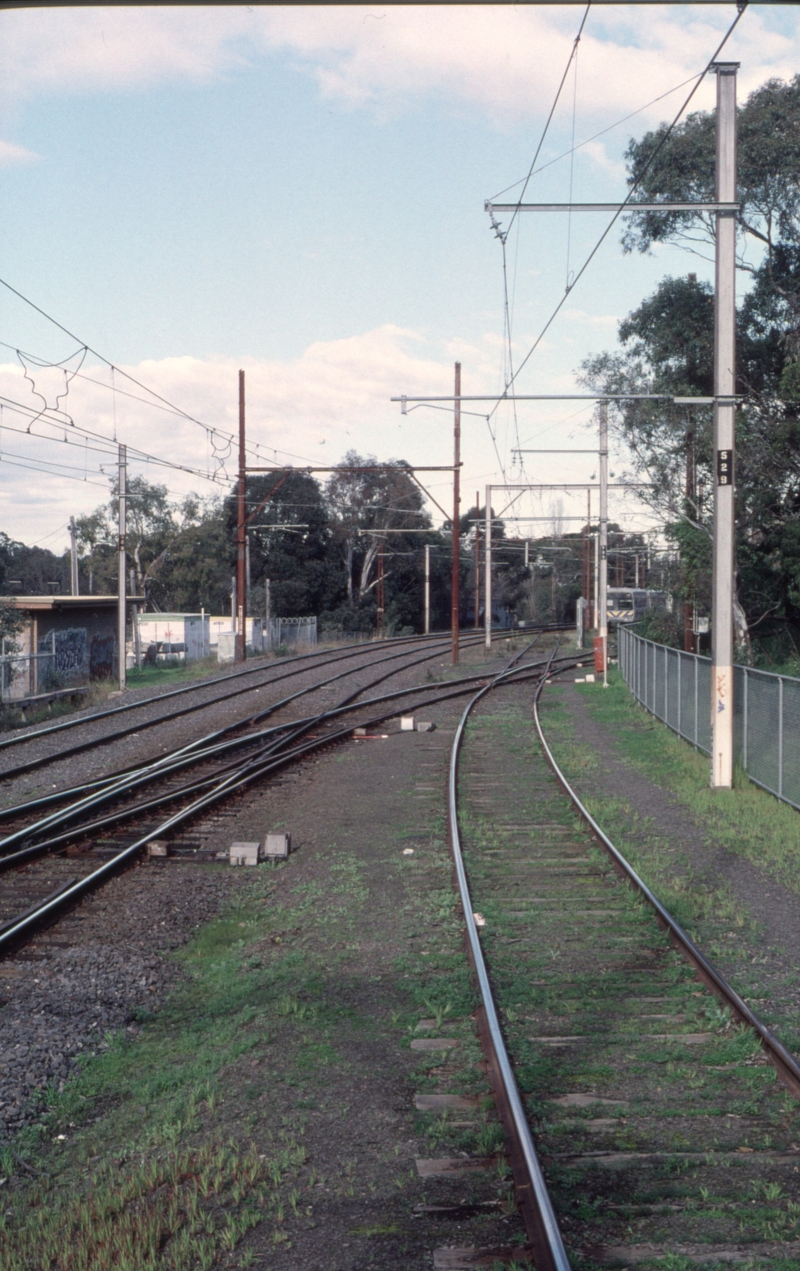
x,y
69,648
71,651
101,657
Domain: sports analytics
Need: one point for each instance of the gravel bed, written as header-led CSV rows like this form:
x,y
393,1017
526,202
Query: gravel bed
x,y
58,1003
153,742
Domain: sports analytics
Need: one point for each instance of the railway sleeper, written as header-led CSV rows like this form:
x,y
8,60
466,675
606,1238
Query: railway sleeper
x,y
662,1129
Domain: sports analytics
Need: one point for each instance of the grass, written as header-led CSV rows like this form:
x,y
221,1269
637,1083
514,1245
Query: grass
x,y
173,672
154,1180
164,1151
541,976
745,820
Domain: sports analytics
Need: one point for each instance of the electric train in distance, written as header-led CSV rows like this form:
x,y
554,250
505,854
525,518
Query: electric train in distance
x,y
630,604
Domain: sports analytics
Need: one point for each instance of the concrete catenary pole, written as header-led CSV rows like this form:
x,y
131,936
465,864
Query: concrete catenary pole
x,y
74,588
454,615
427,588
602,590
241,540
121,598
477,604
724,412
487,571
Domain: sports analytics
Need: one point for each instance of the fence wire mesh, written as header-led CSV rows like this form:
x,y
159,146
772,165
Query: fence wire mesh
x,y
676,688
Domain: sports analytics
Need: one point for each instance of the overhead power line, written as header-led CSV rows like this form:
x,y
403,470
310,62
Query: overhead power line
x,y
621,208
83,344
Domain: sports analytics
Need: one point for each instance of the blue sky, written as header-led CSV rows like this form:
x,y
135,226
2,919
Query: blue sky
x,y
299,191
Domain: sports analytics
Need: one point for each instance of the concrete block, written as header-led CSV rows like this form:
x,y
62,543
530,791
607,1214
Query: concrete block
x,y
277,846
425,727
406,723
359,732
158,847
226,646
243,853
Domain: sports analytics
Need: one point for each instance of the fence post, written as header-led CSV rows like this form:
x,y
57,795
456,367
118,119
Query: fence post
x,y
780,736
744,719
680,660
639,667
696,665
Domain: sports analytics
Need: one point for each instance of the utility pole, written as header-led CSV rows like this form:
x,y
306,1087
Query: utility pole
x,y
724,421
587,564
476,616
241,541
602,590
268,611
381,597
123,529
688,606
487,572
73,559
427,590
454,614
137,642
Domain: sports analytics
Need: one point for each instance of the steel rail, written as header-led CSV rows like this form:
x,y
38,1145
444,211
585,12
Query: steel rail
x,y
351,651
109,787
27,924
784,1061
536,1205
39,848
328,654
42,761
128,780
90,744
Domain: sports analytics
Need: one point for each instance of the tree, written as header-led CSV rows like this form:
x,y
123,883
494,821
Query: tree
x,y
150,523
291,543
363,504
667,347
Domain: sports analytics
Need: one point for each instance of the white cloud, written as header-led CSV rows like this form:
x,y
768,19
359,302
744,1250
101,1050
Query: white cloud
x,y
580,316
307,410
598,155
501,59
11,154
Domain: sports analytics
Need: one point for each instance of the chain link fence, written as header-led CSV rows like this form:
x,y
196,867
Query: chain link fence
x,y
676,688
291,633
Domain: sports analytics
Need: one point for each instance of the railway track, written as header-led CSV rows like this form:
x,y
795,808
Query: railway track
x,y
643,1119
639,1118
114,820
104,727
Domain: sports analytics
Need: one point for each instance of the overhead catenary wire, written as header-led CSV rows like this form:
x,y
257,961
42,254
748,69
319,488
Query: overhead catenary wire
x,y
88,347
588,140
509,375
634,186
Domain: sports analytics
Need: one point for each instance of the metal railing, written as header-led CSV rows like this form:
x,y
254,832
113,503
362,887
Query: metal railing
x,y
676,688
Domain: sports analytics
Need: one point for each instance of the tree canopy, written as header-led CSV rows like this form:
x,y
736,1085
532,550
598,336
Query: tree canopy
x,y
666,346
